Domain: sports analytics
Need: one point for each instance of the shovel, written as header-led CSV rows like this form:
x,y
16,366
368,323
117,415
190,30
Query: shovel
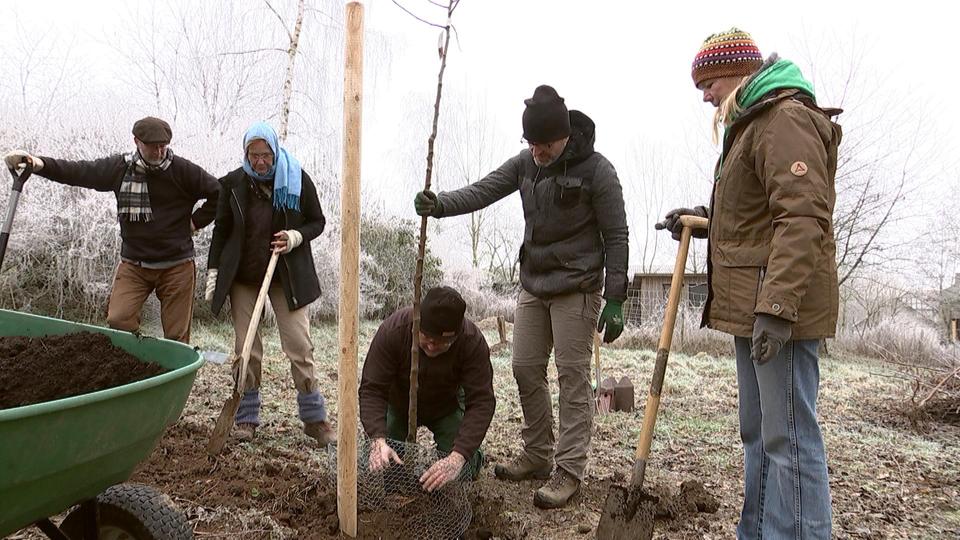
x,y
18,180
622,516
601,399
220,432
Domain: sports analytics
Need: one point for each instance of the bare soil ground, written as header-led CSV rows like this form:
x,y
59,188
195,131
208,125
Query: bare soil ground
x,y
888,480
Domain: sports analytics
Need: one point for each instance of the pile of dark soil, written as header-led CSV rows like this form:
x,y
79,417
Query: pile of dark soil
x,y
34,370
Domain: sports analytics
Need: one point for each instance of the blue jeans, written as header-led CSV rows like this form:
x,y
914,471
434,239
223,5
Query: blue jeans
x,y
786,489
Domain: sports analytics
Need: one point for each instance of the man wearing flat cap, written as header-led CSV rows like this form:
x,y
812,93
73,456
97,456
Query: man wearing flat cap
x,y
574,254
455,398
156,193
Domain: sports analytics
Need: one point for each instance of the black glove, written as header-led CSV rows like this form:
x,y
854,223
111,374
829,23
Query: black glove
x,y
769,334
428,204
671,221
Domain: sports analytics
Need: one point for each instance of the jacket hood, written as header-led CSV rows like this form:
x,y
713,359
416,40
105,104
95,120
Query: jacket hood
x,y
582,137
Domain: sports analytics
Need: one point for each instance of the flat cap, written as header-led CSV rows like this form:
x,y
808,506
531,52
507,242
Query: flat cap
x,y
152,130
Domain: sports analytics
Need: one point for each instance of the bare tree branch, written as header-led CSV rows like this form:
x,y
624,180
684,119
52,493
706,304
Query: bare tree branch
x,y
283,23
412,14
253,51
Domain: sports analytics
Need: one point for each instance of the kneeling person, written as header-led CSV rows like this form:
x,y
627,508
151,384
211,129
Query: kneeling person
x,y
455,398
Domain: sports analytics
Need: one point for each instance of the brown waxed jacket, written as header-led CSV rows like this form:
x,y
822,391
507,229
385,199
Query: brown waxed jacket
x,y
771,246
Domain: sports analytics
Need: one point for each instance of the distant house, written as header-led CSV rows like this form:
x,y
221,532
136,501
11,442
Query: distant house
x,y
950,304
647,296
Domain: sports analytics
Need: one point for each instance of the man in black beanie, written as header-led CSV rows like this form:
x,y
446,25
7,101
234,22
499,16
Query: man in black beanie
x,y
455,398
574,248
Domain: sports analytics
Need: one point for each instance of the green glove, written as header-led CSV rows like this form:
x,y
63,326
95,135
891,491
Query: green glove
x,y
427,204
612,318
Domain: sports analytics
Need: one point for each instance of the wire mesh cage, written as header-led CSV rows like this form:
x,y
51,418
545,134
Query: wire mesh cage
x,y
412,512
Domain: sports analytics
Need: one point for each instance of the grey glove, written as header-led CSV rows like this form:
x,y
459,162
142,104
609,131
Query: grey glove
x,y
769,334
671,221
18,158
428,204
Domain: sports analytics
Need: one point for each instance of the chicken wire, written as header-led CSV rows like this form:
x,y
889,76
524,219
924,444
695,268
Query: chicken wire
x,y
410,511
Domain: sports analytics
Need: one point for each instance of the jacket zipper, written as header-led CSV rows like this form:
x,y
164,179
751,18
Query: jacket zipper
x,y
236,200
761,274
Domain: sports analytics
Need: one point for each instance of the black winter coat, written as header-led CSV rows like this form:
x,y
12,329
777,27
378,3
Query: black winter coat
x,y
296,270
576,226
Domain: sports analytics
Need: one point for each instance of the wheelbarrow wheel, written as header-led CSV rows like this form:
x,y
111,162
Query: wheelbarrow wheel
x,y
132,512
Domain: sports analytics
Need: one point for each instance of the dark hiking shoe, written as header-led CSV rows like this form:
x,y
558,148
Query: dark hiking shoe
x,y
245,432
522,468
322,432
558,491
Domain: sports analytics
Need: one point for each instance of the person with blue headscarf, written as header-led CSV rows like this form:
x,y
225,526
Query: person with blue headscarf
x,y
269,204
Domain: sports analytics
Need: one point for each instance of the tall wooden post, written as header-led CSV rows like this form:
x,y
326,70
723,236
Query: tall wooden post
x,y
350,271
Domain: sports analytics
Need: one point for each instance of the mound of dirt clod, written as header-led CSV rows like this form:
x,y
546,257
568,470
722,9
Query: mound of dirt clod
x,y
39,369
634,516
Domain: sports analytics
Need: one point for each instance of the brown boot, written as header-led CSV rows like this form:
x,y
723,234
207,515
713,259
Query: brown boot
x,y
322,432
522,468
245,432
558,491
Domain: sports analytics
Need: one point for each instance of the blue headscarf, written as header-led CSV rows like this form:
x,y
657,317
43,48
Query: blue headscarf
x,y
285,173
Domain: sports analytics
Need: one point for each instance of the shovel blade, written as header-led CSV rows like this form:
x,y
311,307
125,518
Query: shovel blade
x,y
627,515
215,357
224,422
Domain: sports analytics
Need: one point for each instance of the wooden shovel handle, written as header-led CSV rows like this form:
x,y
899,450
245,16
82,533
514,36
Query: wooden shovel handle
x,y
694,222
255,322
663,351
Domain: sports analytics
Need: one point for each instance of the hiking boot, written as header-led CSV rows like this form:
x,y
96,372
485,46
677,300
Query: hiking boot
x,y
558,491
522,468
245,432
322,432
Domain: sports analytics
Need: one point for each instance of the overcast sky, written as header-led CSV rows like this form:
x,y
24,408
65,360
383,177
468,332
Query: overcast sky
x,y
626,64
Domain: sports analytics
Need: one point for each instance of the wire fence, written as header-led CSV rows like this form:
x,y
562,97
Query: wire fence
x,y
397,501
647,306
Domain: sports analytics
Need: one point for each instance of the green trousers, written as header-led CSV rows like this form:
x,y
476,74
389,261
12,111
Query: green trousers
x,y
444,432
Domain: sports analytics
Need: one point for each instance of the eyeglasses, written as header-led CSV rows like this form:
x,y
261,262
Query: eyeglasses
x,y
545,145
260,157
433,341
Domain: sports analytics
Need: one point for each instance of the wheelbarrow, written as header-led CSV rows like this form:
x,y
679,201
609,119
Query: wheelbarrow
x,y
76,451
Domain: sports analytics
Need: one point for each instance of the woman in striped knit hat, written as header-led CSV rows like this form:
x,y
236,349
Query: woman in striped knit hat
x,y
771,273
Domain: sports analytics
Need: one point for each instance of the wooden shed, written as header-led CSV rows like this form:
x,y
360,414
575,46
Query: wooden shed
x,y
647,296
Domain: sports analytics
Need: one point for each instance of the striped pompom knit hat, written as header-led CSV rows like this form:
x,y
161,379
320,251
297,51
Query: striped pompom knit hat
x,y
726,54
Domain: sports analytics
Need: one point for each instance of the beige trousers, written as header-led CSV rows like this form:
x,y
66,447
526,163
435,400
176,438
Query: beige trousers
x,y
294,328
566,325
132,284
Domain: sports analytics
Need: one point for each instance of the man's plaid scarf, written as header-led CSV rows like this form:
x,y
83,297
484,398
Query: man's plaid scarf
x,y
133,199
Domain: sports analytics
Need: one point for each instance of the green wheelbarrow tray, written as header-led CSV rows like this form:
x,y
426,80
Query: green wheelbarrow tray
x,y
56,454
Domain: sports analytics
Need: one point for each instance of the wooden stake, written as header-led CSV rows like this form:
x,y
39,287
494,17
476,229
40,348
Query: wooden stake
x,y
349,321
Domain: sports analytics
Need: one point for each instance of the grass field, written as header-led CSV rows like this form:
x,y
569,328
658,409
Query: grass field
x,y
888,479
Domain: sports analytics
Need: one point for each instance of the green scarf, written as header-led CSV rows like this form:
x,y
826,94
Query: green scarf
x,y
777,76
781,74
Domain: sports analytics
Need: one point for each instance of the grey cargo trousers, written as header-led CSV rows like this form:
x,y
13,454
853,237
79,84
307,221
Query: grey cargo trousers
x,y
565,324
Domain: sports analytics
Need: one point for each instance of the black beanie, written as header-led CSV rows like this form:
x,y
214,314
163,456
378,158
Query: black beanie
x,y
441,312
546,118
